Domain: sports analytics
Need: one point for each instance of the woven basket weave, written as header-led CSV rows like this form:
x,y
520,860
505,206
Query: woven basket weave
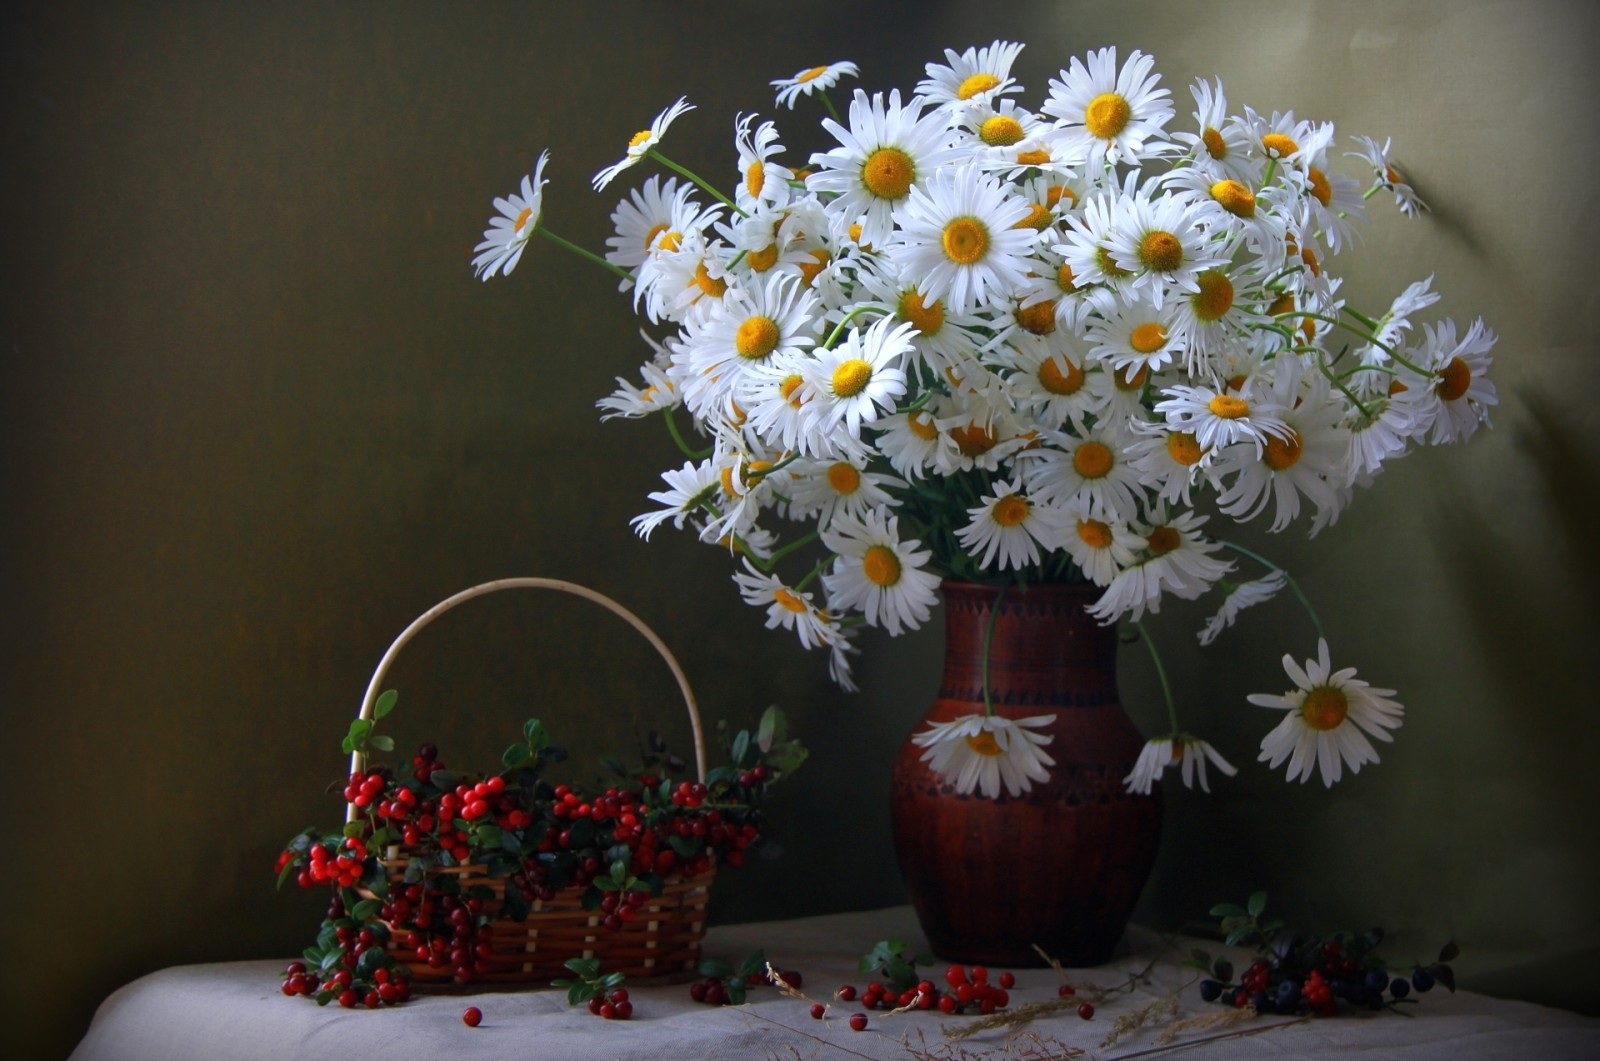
x,y
665,935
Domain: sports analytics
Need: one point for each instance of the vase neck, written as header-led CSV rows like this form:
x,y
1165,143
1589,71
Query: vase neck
x,y
1045,650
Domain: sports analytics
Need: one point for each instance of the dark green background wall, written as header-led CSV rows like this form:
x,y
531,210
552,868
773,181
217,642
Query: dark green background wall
x,y
257,414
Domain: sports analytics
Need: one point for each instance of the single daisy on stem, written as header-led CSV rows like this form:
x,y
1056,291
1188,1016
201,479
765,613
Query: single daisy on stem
x,y
984,753
1329,716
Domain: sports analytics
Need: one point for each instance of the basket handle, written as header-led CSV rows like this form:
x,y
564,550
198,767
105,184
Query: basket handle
x,y
358,760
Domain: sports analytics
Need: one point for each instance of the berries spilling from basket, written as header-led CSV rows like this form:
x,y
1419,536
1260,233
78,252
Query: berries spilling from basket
x,y
432,860
1301,974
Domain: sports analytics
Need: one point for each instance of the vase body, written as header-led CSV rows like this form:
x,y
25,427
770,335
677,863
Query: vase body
x,y
1061,865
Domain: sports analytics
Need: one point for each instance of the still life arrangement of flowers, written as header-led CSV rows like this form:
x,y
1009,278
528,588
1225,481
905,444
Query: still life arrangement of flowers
x,y
983,342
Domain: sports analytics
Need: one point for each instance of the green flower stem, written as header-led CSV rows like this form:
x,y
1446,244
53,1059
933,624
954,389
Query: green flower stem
x,y
1377,186
677,436
1327,370
832,110
1305,602
988,639
838,329
584,253
1365,321
811,576
1373,339
778,554
1161,672
1272,171
710,189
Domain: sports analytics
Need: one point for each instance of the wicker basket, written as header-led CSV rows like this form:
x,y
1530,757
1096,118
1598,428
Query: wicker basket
x,y
664,937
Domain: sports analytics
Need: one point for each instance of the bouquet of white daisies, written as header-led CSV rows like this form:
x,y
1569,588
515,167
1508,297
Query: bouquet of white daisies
x,y
981,342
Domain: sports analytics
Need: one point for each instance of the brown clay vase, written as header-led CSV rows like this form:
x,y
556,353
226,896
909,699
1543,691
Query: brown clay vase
x,y
1061,865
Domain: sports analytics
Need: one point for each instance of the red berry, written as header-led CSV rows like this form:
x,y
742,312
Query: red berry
x,y
472,1017
858,1022
980,975
817,1010
847,993
955,976
947,1004
1008,981
623,1009
1066,991
1086,1010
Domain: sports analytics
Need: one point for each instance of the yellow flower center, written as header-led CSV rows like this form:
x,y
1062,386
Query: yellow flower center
x,y
790,390
810,75
1108,264
965,240
1396,387
1215,297
851,377
1216,146
1163,540
1325,708
1278,145
1000,131
1284,303
1039,217
1147,338
1095,534
650,237
880,565
1039,318
762,260
1010,510
1093,460
522,219
1184,449
1032,158
984,744
1107,115
888,173
1392,175
755,178
638,139
1067,282
979,82
788,600
756,338
972,440
1454,380
844,478
810,270
1052,379
1235,198
855,231
1131,378
1281,454
1309,256
1160,251
670,242
1054,195
927,318
922,425
1320,188
714,286
1227,407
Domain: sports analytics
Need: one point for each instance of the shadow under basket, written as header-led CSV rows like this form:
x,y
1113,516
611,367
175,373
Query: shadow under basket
x,y
663,937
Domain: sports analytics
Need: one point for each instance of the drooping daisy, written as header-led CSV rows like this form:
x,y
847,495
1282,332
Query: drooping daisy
x,y
1240,597
977,74
817,79
1327,714
1459,394
959,235
887,150
654,216
1157,755
627,400
876,573
1170,462
1176,560
860,379
786,606
507,235
984,753
1405,196
689,490
911,441
1109,114
1011,528
642,142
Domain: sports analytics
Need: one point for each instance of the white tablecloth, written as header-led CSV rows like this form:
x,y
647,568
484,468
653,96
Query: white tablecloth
x,y
235,1012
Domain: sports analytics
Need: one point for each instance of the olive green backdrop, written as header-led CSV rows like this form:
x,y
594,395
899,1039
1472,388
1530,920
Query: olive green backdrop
x,y
258,414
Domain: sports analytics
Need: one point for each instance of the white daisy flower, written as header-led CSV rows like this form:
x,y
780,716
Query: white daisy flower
x,y
749,330
1221,149
1011,528
1177,560
1327,714
826,489
877,574
1240,597
979,74
627,400
1157,755
1458,396
939,334
960,236
1405,196
888,150
1108,114
762,182
1048,379
911,441
984,753
1159,241
507,235
1091,467
840,649
651,219
786,607
816,79
994,135
642,142
1138,335
1101,548
689,490
860,379
1219,416
1168,461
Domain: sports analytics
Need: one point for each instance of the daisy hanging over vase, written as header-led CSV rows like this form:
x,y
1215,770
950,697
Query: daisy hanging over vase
x,y
978,339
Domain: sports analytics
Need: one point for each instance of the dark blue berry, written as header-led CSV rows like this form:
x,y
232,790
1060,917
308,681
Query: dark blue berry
x,y
1230,996
1422,980
1288,993
1210,990
1400,987
1377,979
1264,1003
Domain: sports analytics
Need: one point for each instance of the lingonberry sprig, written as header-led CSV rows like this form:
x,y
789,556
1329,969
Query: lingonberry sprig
x,y
604,993
723,984
1295,973
617,847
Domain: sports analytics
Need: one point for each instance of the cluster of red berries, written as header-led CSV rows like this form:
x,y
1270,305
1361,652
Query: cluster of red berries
x,y
1315,977
612,1004
967,990
362,975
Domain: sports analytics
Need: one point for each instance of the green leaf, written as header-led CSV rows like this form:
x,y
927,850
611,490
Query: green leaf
x,y
715,967
289,870
383,742
741,750
367,909
516,755
1238,936
385,703
1446,976
1450,952
756,963
772,730
354,829
1258,903
444,780
587,968
1228,910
